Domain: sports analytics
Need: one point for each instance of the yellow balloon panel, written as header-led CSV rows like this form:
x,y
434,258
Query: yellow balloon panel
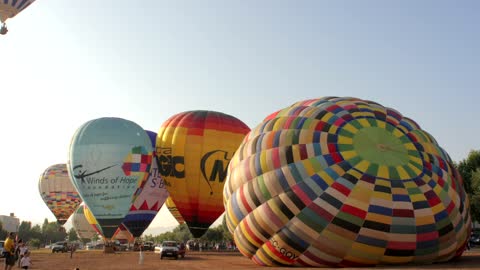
x,y
193,150
174,210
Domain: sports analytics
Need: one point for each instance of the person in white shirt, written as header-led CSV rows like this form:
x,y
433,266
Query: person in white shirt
x,y
25,262
22,249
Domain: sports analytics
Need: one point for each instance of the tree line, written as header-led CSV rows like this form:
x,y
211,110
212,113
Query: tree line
x,y
39,236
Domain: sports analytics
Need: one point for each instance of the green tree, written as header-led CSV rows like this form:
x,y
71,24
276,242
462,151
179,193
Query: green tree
x,y
226,233
467,168
213,234
52,232
36,232
475,196
24,230
95,238
34,242
72,235
3,233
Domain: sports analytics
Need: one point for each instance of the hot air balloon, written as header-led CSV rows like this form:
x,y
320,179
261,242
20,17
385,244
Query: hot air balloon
x,y
174,210
193,151
58,193
123,235
91,220
10,8
109,159
149,198
81,225
344,182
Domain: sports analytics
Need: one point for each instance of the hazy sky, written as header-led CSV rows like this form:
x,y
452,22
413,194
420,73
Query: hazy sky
x,y
66,62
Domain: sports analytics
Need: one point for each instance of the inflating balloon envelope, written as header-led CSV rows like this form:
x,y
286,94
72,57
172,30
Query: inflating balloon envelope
x,y
193,150
148,199
344,182
58,192
81,225
109,160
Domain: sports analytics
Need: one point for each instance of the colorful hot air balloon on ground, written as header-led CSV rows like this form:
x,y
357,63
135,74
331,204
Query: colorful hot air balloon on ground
x,y
123,235
344,182
174,210
10,8
91,220
58,193
148,199
193,151
81,225
109,159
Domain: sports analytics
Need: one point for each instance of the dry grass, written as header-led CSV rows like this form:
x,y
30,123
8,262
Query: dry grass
x,y
85,260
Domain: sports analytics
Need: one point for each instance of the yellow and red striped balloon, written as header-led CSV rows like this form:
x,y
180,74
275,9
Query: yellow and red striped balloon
x,y
174,210
193,151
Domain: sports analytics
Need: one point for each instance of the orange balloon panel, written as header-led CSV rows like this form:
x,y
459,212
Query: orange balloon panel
x,y
193,150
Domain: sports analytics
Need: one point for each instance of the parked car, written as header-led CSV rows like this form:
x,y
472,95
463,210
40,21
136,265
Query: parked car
x,y
2,243
474,239
148,245
60,247
118,246
168,249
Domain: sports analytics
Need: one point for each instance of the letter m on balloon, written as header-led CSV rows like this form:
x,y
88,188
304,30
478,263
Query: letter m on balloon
x,y
219,168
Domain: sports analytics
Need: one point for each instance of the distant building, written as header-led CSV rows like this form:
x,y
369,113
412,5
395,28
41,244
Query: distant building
x,y
10,223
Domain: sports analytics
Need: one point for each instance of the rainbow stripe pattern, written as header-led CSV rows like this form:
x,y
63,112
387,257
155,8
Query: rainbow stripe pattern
x,y
344,182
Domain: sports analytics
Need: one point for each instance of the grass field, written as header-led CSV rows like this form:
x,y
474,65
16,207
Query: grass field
x,y
96,259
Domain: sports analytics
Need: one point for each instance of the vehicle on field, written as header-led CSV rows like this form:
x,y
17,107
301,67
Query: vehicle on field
x,y
474,239
2,244
148,246
61,246
168,249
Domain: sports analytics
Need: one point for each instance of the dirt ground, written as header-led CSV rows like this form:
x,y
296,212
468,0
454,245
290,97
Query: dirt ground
x,y
86,260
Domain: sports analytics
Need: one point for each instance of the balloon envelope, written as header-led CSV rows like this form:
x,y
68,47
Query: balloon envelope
x,y
58,192
109,159
344,182
92,221
81,225
193,151
10,8
123,234
174,210
149,198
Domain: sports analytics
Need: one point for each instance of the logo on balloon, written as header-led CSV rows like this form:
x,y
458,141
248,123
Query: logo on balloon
x,y
169,165
287,253
84,175
156,179
219,166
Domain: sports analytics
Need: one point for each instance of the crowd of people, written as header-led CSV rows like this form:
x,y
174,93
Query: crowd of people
x,y
16,251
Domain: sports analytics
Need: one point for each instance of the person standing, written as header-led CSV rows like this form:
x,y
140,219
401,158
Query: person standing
x,y
21,250
9,249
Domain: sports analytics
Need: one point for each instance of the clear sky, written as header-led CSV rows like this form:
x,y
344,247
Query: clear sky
x,y
66,62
